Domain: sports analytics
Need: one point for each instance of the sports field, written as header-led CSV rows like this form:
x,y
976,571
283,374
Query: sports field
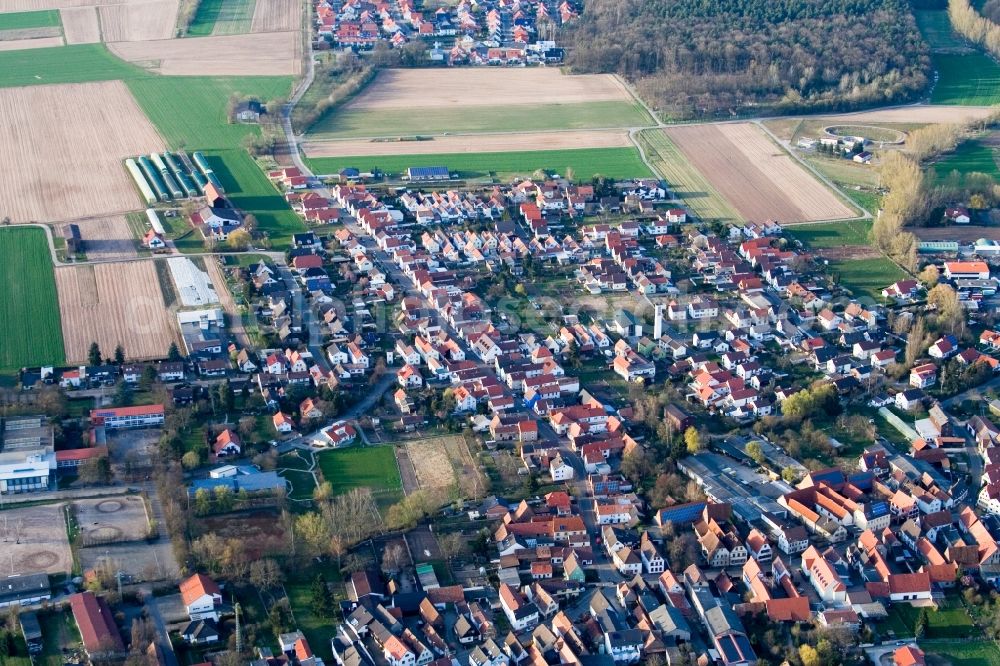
x,y
23,20
583,163
361,467
29,310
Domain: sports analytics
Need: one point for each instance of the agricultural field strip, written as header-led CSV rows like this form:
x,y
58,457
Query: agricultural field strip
x,y
80,25
235,17
112,304
815,200
473,143
138,21
477,87
108,238
730,157
30,19
265,54
30,33
29,308
684,180
276,15
38,43
56,164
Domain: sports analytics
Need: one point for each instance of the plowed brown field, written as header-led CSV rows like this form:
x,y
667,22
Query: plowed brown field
x,y
108,238
56,165
277,15
80,25
477,86
266,54
114,304
755,175
139,21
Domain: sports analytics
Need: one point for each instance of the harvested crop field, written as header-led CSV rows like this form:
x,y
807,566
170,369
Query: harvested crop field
x,y
111,519
34,539
108,239
38,43
112,304
267,54
432,88
138,21
55,165
962,234
755,175
80,25
473,143
276,15
29,33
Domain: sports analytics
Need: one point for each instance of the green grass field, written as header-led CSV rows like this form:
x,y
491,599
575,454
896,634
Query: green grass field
x,y
970,157
250,191
77,63
867,277
831,234
343,122
190,112
964,653
584,162
949,622
204,19
684,180
48,18
360,467
966,75
234,17
29,309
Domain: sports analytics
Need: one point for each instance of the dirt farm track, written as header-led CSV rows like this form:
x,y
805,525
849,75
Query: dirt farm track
x,y
55,164
114,304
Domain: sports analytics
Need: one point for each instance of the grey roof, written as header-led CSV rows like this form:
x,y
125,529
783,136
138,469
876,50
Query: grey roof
x,y
669,620
721,620
249,482
13,588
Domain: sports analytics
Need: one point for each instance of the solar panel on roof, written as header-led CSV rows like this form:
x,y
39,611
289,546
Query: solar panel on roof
x,y
729,649
743,643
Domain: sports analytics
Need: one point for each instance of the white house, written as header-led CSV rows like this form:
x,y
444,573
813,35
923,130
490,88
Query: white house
x,y
560,469
202,597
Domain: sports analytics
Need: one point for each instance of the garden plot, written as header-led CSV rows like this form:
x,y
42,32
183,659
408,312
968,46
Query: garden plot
x,y
57,163
193,284
114,304
266,54
111,520
34,539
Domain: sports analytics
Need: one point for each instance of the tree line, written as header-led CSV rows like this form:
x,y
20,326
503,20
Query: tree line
x,y
912,195
695,59
974,27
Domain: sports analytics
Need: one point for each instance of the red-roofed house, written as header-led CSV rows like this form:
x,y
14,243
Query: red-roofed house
x,y
96,623
201,596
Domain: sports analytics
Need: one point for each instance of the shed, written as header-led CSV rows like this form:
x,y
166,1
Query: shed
x,y
74,243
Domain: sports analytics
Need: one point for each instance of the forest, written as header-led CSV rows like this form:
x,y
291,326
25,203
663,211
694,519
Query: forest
x,y
701,59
